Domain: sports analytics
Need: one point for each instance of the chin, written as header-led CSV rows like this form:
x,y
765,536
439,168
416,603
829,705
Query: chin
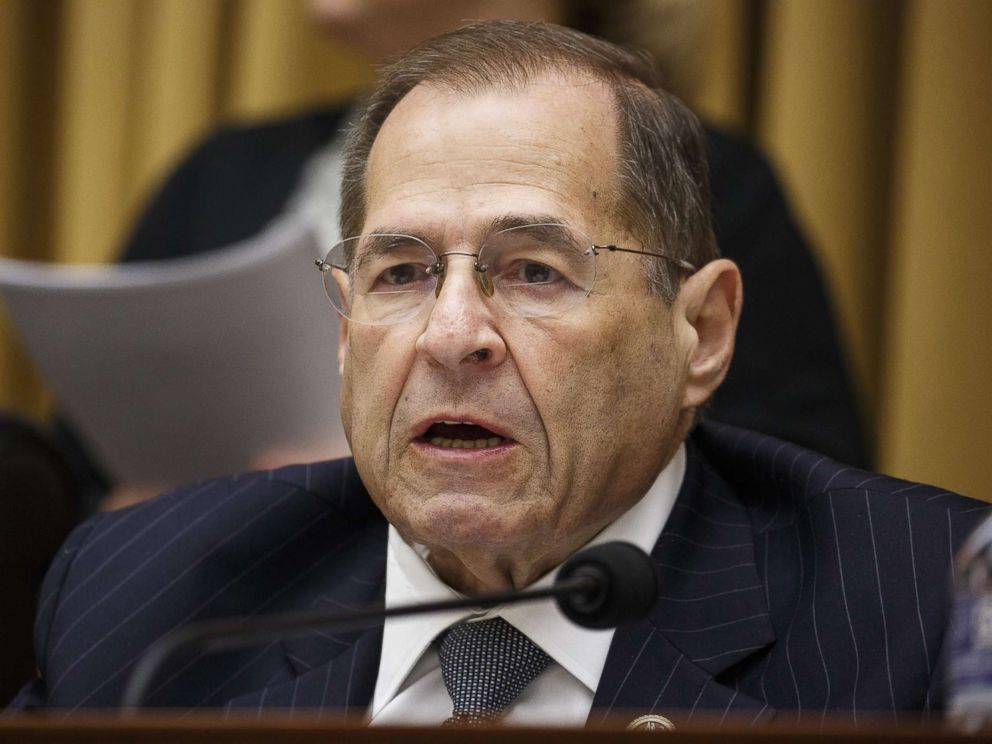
x,y
457,520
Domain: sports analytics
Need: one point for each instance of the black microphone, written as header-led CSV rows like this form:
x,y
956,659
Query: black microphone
x,y
599,587
625,585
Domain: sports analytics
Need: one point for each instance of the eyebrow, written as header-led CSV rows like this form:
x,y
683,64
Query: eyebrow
x,y
545,226
511,221
547,230
497,224
382,242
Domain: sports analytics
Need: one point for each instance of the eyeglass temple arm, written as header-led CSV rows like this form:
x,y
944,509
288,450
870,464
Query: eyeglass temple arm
x,y
685,265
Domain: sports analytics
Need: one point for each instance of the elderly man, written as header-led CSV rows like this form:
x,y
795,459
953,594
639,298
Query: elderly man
x,y
535,315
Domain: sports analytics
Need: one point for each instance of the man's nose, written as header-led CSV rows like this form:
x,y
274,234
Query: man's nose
x,y
461,329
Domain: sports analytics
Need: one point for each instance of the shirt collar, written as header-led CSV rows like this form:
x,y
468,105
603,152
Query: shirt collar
x,y
581,651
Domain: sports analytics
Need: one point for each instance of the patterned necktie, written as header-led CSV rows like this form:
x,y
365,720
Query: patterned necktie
x,y
485,665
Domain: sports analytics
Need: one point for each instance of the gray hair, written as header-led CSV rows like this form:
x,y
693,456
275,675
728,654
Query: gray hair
x,y
662,175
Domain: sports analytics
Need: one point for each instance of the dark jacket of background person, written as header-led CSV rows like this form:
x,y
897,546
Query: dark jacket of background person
x,y
39,505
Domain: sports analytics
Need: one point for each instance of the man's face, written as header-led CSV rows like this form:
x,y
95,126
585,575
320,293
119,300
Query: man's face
x,y
582,410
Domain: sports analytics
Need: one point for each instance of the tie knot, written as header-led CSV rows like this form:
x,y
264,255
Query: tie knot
x,y
485,665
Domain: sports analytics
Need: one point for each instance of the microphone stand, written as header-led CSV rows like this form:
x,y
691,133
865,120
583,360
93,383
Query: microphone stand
x,y
225,634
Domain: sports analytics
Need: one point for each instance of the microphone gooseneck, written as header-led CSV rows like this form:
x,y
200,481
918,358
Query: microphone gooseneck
x,y
600,587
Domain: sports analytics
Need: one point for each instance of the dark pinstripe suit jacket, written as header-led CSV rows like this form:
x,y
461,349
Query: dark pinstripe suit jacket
x,y
788,583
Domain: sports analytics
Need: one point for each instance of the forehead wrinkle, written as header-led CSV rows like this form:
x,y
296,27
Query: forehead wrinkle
x,y
499,222
567,176
529,160
392,209
562,192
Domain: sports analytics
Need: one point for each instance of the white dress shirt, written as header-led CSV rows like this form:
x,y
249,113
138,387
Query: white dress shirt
x,y
409,689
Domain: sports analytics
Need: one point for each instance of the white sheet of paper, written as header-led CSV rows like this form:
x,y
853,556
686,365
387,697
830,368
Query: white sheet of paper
x,y
191,367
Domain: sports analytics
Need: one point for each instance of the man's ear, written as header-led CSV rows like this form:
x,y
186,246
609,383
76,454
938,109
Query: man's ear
x,y
710,300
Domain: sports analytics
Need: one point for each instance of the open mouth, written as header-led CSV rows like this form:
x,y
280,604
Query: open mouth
x,y
461,435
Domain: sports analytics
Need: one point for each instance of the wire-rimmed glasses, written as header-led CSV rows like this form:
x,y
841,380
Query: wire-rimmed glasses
x,y
538,270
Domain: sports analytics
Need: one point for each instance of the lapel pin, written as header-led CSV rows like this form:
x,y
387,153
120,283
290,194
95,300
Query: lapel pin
x,y
651,722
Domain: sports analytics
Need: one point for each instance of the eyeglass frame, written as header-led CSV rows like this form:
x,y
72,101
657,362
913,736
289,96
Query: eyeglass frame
x,y
438,269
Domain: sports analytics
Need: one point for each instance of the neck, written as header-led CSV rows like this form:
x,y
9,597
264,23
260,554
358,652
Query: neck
x,y
480,570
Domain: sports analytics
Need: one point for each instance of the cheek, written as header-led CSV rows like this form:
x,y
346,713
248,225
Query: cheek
x,y
374,371
616,383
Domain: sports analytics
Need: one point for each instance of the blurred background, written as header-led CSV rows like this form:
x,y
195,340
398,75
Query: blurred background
x,y
876,115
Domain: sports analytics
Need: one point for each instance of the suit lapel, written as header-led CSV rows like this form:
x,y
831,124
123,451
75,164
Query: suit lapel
x,y
328,669
343,682
712,613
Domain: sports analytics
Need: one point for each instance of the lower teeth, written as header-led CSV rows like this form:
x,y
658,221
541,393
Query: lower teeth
x,y
465,443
